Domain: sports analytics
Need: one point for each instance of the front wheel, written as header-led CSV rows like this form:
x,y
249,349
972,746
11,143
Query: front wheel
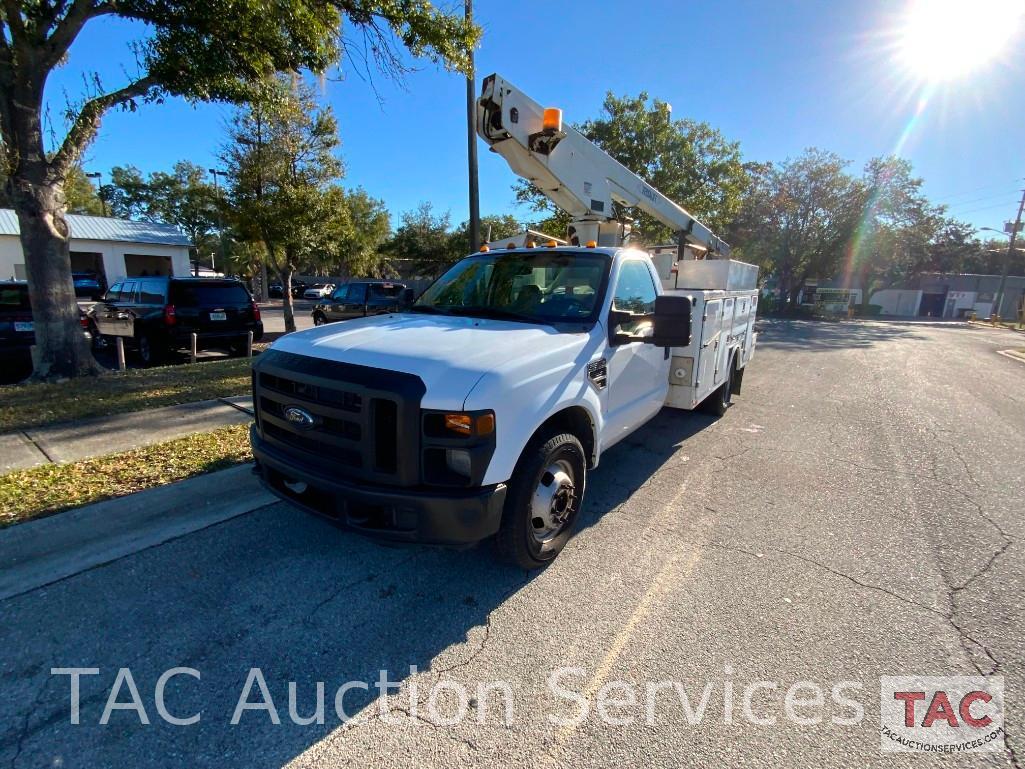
x,y
319,319
545,494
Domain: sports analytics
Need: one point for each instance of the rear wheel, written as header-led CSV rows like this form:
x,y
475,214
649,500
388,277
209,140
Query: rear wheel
x,y
544,500
239,348
149,351
719,401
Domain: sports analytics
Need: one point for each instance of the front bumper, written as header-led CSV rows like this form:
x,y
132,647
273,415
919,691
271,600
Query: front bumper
x,y
398,514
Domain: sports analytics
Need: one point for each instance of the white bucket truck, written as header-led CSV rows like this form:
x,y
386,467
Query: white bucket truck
x,y
479,412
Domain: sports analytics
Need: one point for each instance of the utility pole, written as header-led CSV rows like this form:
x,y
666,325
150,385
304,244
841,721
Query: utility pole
x,y
999,298
471,141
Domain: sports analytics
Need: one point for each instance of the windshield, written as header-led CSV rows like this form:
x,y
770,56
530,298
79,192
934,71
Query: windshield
x,y
535,286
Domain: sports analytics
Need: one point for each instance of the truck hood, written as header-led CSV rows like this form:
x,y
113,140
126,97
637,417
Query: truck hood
x,y
450,354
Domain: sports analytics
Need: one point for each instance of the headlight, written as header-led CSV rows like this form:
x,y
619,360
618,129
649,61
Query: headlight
x,y
458,461
457,446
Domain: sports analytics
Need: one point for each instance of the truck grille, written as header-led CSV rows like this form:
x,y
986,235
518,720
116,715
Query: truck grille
x,y
353,422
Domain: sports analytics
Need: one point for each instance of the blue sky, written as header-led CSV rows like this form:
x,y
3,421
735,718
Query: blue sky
x,y
775,76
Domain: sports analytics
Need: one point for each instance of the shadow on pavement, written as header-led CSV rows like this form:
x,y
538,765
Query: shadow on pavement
x,y
278,590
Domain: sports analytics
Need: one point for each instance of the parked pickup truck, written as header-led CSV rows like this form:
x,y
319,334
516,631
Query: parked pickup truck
x,y
480,410
360,298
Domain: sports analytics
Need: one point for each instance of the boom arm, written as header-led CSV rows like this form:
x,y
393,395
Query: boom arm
x,y
578,176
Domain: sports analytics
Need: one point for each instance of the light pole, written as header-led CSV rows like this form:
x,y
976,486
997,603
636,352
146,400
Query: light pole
x,y
99,189
999,298
215,172
471,140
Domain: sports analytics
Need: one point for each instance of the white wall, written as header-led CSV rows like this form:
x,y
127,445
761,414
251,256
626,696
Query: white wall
x,y
113,252
10,255
897,301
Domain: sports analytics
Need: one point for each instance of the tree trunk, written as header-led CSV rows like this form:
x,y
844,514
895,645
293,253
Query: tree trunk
x,y
285,276
61,349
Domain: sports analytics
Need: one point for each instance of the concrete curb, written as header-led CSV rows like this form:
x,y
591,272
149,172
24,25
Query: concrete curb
x,y
88,438
983,324
39,553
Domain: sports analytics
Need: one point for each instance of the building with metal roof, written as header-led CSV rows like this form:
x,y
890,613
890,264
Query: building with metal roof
x,y
111,248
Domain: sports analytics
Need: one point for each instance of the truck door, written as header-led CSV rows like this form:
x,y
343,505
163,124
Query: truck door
x,y
711,341
638,372
722,358
355,302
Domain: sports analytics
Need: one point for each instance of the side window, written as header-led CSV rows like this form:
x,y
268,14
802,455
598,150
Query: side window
x,y
150,293
128,291
112,293
357,293
339,294
635,290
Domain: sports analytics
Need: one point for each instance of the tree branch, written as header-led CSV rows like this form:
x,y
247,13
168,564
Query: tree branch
x,y
67,29
13,13
87,121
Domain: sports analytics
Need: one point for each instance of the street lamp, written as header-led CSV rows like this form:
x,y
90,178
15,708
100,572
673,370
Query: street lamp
x,y
215,172
99,189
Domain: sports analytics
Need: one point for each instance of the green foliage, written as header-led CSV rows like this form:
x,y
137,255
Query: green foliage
x,y
798,217
183,197
689,161
364,227
80,194
282,166
492,227
424,240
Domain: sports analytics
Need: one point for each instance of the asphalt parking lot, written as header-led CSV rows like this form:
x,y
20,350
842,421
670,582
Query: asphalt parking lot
x,y
857,513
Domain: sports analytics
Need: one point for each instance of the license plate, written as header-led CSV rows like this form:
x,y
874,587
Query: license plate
x,y
218,316
23,325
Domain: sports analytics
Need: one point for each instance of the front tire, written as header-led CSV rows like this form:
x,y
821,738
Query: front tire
x,y
319,319
545,495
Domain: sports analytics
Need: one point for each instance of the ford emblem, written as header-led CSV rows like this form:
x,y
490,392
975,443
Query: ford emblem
x,y
299,417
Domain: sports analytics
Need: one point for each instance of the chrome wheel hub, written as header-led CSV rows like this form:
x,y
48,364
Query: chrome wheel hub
x,y
553,501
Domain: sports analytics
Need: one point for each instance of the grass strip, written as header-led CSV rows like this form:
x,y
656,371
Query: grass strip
x,y
37,404
28,494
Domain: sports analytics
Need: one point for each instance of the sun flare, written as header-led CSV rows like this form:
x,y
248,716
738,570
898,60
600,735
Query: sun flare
x,y
948,39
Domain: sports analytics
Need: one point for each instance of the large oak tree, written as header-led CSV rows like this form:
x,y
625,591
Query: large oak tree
x,y
214,50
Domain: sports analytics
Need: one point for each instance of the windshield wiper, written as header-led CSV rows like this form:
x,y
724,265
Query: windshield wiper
x,y
428,309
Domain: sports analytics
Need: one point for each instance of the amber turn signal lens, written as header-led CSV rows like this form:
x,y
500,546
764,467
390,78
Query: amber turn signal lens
x,y
485,424
459,423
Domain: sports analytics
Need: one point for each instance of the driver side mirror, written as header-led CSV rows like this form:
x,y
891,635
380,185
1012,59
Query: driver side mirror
x,y
672,321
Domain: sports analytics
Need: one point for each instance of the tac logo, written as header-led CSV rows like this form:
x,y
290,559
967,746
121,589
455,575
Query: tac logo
x,y
941,714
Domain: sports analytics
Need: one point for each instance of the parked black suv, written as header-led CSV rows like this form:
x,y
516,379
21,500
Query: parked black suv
x,y
358,299
159,315
88,284
17,330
